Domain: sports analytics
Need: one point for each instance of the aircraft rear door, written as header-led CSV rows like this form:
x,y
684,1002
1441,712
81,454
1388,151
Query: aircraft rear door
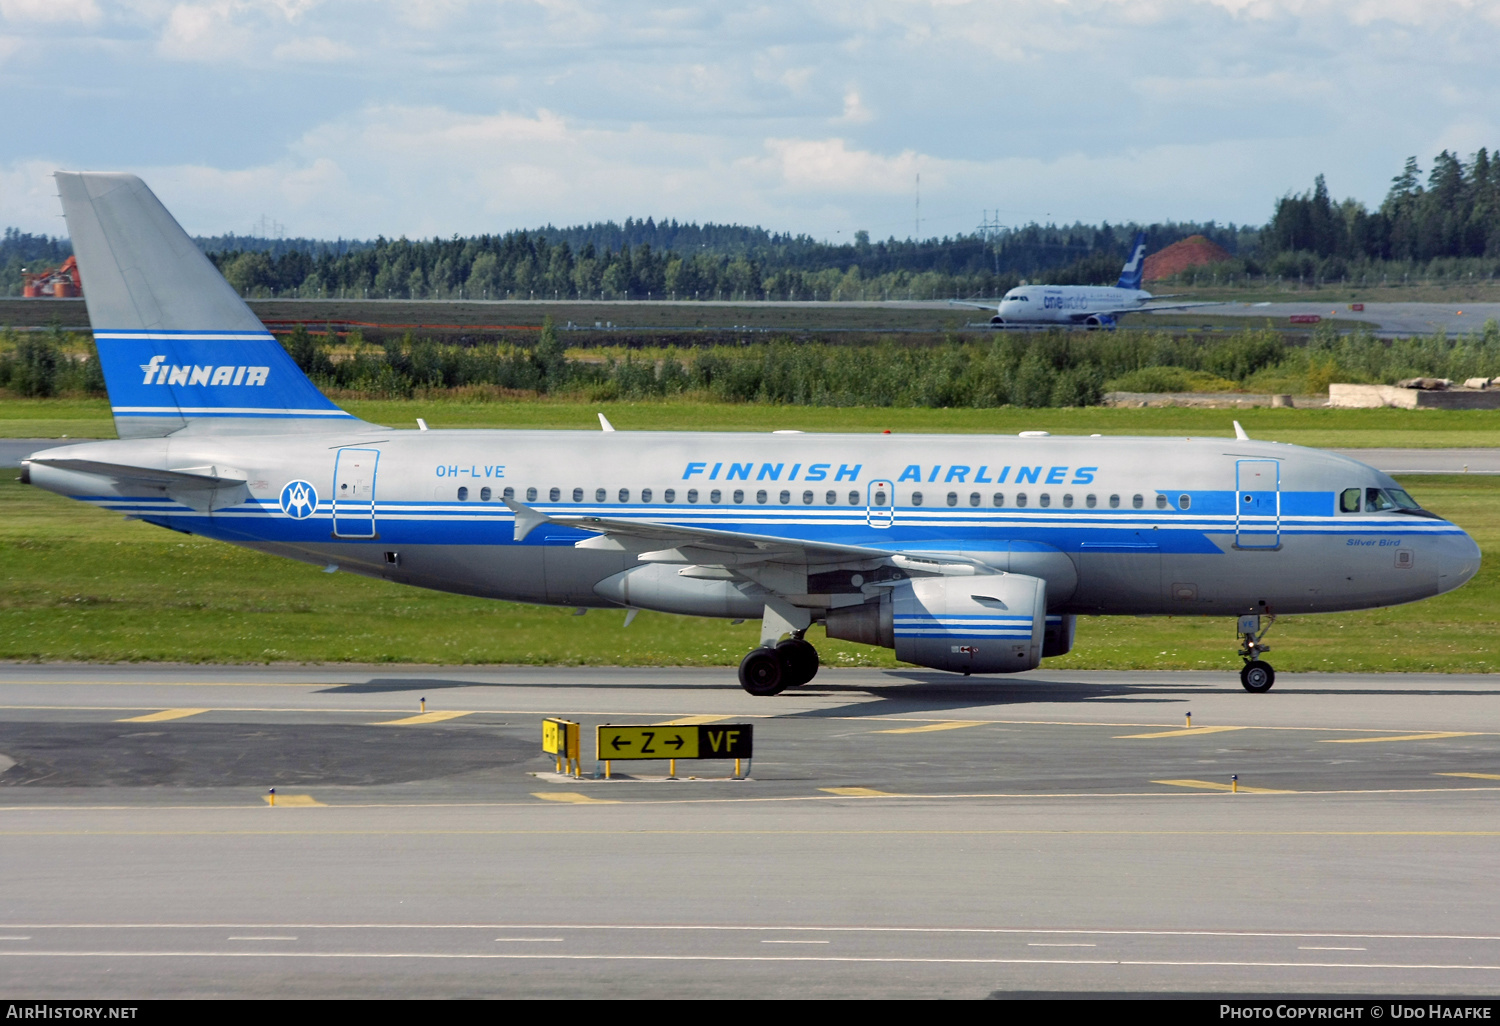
x,y
880,510
354,493
1257,504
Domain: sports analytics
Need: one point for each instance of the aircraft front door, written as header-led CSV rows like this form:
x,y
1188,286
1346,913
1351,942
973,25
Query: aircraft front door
x,y
354,493
1257,504
880,509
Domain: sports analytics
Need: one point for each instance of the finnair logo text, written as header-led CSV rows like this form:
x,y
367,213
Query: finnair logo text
x,y
159,372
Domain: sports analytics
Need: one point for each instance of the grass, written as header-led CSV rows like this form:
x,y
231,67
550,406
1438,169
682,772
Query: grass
x,y
89,418
81,584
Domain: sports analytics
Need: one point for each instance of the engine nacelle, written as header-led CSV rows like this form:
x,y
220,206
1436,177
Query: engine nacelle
x,y
994,623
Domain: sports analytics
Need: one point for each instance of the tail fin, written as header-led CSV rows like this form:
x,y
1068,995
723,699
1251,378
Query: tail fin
x,y
1130,274
176,344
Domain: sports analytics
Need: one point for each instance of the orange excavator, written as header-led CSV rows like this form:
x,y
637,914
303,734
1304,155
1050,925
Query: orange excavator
x,y
56,282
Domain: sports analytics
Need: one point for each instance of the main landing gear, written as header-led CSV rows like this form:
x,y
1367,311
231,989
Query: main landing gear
x,y
1256,675
770,671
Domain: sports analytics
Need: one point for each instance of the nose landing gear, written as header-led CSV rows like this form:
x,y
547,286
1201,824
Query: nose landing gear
x,y
1256,675
770,671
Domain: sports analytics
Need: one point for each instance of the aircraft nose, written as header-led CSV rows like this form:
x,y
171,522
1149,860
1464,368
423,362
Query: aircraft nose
x,y
1458,560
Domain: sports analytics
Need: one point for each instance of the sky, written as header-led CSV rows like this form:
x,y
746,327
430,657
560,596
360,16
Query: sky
x,y
356,118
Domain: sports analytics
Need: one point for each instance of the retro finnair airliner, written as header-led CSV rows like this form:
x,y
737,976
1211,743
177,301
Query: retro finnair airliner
x,y
968,553
1092,306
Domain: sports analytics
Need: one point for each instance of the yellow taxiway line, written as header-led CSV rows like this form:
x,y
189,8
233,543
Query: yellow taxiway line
x,y
294,801
572,798
432,717
1211,785
1185,732
945,725
1400,737
859,792
164,715
1472,776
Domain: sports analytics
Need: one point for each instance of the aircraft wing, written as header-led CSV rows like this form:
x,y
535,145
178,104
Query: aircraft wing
x,y
1122,310
992,307
655,542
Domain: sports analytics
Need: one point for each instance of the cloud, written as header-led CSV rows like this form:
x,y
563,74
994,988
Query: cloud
x,y
313,50
49,10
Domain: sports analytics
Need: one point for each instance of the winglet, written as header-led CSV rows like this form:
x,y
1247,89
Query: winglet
x,y
604,423
527,519
1239,432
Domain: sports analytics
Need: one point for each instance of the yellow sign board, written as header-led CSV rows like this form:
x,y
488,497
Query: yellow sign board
x,y
560,739
701,741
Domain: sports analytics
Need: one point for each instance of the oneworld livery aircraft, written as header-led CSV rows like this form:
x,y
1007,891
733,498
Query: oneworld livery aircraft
x,y
1092,306
970,553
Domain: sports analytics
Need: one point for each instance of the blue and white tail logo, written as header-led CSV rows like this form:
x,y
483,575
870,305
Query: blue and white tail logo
x,y
299,500
1130,274
192,374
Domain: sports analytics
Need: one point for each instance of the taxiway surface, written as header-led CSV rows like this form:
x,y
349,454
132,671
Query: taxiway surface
x,y
902,834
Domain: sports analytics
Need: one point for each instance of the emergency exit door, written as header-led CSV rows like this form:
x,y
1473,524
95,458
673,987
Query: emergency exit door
x,y
354,493
1257,504
880,508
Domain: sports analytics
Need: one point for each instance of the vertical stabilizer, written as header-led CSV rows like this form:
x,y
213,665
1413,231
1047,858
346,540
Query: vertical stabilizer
x,y
1130,274
176,344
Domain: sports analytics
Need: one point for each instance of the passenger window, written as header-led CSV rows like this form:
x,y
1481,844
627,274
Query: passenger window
x,y
807,498
645,495
509,493
1068,501
1045,500
760,497
554,495
1114,502
739,495
692,495
786,497
999,498
1138,502
1091,501
624,494
879,496
831,498
1020,498
715,496
854,498
485,493
531,495
916,498
973,498
463,495
953,498
1375,501
600,495
670,495
1161,501
577,495
1184,501
1349,500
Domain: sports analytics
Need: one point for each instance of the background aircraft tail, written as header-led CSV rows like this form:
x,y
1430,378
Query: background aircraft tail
x,y
1130,274
176,343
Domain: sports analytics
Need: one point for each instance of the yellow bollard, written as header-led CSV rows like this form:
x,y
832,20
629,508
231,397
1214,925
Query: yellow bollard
x,y
1190,720
672,769
424,703
736,767
273,797
1234,784
606,769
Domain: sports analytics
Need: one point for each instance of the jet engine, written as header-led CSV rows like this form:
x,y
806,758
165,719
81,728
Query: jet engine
x,y
994,623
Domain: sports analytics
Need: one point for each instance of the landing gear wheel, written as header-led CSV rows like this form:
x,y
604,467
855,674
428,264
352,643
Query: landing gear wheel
x,y
799,661
762,673
1257,676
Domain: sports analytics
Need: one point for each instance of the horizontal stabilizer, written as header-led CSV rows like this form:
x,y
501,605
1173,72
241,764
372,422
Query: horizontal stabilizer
x,y
201,488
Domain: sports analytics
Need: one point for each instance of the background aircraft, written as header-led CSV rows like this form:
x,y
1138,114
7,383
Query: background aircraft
x,y
970,553
1094,306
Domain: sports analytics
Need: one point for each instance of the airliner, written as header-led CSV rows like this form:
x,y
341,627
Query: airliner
x,y
1092,306
967,553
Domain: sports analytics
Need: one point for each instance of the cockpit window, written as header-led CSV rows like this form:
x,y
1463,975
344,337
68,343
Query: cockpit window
x,y
1349,500
1376,501
1402,499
